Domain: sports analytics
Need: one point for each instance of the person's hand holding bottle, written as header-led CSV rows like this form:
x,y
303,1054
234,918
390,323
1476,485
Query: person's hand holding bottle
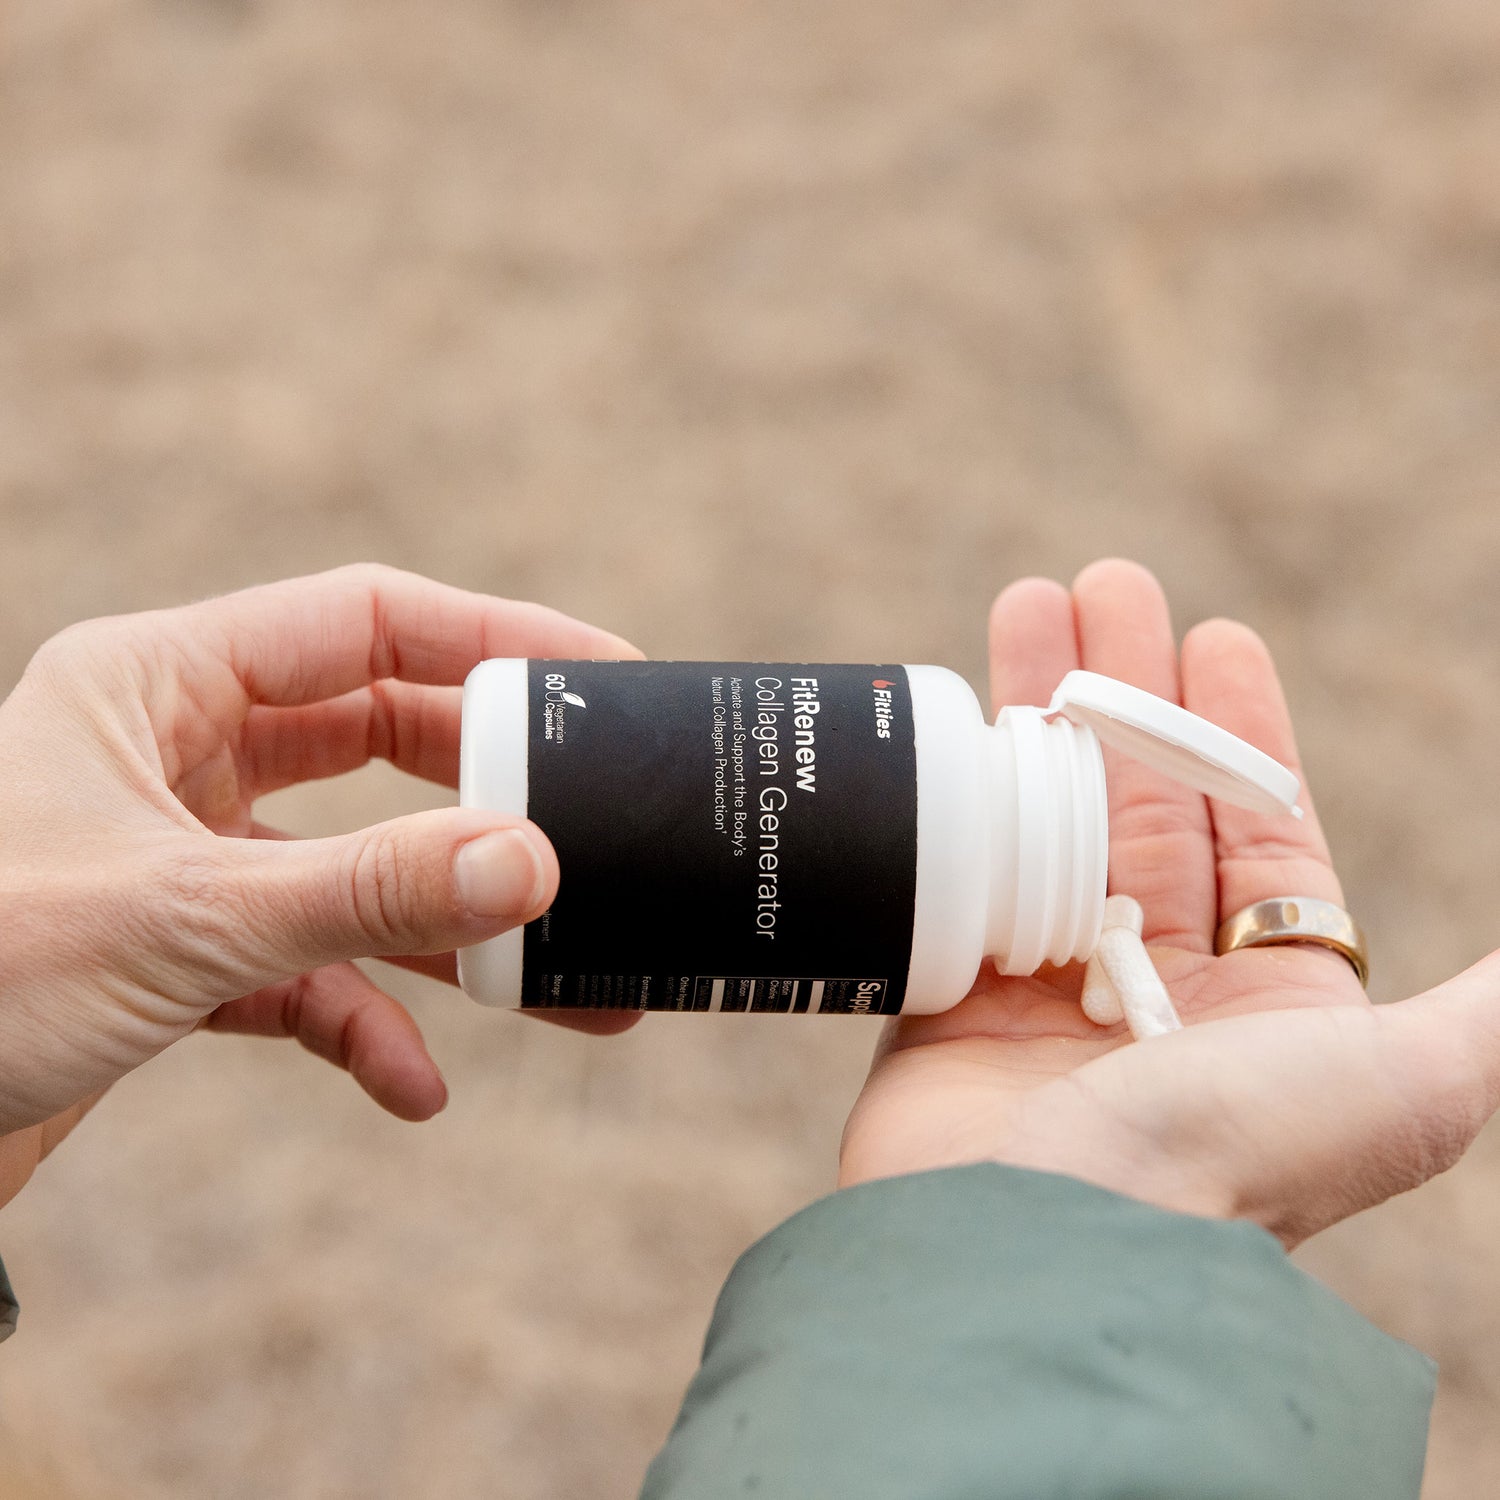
x,y
142,900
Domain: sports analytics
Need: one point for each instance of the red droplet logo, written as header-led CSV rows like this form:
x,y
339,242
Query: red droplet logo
x,y
880,682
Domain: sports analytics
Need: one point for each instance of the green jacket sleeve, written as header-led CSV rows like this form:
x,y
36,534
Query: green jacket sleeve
x,y
988,1333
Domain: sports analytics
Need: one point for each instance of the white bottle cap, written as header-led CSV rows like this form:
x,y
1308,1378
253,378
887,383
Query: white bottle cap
x,y
1178,743
1049,827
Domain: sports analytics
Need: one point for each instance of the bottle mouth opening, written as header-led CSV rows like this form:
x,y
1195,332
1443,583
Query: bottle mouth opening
x,y
1049,841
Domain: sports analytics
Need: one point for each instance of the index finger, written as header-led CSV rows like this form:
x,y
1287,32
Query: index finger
x,y
307,639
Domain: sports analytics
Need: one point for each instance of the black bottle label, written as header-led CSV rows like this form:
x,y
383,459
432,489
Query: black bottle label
x,y
731,835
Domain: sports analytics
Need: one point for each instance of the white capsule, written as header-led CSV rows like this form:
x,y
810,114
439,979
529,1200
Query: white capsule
x,y
1147,1006
1125,911
1100,1002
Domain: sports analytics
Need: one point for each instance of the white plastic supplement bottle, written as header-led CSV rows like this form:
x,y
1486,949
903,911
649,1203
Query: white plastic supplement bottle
x,y
778,837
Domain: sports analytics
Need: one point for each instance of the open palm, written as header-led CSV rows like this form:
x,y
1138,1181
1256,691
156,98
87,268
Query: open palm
x,y
1287,1098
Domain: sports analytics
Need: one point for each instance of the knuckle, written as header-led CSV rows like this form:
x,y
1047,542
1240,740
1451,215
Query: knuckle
x,y
1150,843
378,892
1145,804
322,1030
374,584
384,731
1270,848
187,921
94,664
369,577
62,652
200,901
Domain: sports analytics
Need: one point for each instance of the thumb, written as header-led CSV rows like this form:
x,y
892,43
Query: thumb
x,y
1451,1044
420,884
1401,1093
1392,1096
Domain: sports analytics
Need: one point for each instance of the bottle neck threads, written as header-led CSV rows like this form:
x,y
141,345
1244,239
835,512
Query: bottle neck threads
x,y
1049,841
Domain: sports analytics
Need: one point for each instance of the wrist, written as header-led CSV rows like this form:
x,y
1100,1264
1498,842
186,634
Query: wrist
x,y
1171,1183
1155,1178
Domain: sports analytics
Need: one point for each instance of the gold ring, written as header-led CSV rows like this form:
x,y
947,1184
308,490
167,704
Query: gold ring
x,y
1296,919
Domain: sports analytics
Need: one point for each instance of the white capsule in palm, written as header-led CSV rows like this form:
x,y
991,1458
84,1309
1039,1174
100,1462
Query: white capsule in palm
x,y
1101,1004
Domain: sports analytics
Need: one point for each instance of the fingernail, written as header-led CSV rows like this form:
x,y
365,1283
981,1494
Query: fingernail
x,y
499,874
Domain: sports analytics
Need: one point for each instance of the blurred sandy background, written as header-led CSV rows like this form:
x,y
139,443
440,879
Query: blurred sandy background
x,y
785,330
